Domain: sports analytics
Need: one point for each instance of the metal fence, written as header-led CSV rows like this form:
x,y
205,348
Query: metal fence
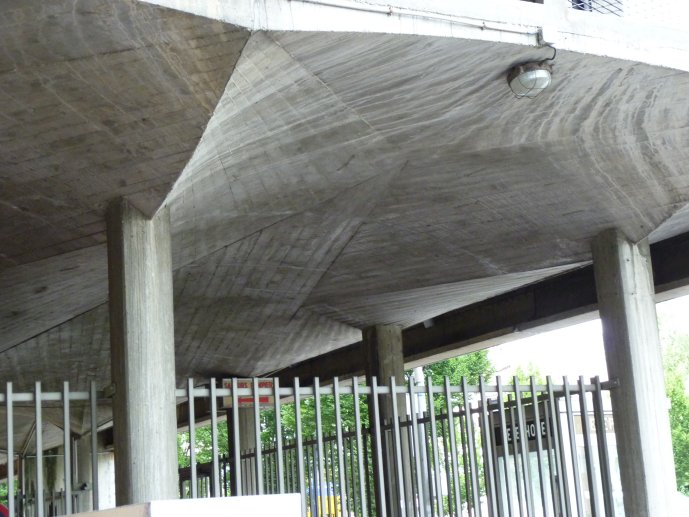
x,y
498,449
24,412
614,7
438,450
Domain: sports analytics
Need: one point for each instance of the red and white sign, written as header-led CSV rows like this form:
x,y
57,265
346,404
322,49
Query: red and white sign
x,y
248,400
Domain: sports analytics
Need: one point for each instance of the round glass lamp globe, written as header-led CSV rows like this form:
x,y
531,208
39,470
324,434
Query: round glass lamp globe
x,y
529,81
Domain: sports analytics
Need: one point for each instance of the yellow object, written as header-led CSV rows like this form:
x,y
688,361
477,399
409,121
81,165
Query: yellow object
x,y
332,507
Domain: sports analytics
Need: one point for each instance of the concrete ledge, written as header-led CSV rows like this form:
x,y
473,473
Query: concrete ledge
x,y
288,505
506,21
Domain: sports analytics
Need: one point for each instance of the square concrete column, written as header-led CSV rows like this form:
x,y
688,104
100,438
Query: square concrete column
x,y
142,354
385,359
384,353
626,301
245,427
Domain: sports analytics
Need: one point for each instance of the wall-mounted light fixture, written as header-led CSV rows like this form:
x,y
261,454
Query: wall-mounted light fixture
x,y
531,78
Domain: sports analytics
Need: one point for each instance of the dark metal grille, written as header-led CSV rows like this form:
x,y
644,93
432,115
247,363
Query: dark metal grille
x,y
614,7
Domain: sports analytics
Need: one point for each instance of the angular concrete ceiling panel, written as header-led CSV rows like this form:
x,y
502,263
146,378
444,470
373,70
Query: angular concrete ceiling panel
x,y
240,309
279,142
100,99
407,308
44,294
343,179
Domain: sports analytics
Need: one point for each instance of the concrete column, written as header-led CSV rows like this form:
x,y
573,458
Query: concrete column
x,y
626,301
143,354
247,441
384,359
83,475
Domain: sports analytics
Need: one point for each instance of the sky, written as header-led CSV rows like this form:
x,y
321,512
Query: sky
x,y
577,349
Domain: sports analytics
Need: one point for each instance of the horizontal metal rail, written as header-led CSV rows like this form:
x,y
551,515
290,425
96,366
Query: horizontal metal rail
x,y
29,410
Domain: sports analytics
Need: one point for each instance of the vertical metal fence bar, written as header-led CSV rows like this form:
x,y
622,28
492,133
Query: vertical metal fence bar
x,y
472,449
456,492
368,459
588,450
299,445
505,446
524,447
434,445
67,446
215,485
215,468
428,466
515,453
359,446
352,483
333,473
563,455
22,481
377,424
573,448
539,448
278,436
552,460
398,448
603,456
257,437
237,474
496,479
322,479
465,455
309,480
291,462
9,414
342,466
94,446
488,454
191,413
446,455
39,450
415,440
563,486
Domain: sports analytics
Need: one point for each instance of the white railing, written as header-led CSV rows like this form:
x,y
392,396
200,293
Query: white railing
x,y
37,410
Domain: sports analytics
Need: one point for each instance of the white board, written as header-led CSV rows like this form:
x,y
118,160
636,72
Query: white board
x,y
287,505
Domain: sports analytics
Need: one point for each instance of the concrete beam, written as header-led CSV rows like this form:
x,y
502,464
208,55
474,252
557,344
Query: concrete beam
x,y
551,303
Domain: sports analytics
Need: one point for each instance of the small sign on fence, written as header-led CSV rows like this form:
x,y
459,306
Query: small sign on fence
x,y
248,400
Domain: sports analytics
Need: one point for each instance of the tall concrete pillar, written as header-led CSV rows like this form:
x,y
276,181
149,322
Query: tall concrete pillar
x,y
384,359
142,354
246,427
626,301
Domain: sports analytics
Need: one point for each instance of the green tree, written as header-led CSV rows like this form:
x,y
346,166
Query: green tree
x,y
204,441
524,374
676,363
472,366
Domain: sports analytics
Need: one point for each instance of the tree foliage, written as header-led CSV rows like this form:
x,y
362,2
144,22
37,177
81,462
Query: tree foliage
x,y
472,366
676,362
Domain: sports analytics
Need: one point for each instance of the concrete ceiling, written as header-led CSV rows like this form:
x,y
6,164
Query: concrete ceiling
x,y
318,182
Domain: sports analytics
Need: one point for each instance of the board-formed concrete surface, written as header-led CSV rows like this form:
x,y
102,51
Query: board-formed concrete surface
x,y
318,182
